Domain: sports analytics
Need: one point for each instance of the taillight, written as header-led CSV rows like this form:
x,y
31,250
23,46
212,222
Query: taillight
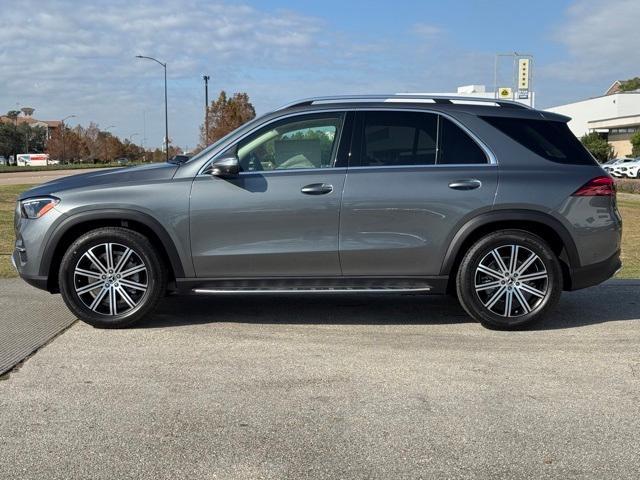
x,y
597,187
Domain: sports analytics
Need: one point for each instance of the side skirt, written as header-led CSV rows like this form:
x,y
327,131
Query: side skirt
x,y
274,285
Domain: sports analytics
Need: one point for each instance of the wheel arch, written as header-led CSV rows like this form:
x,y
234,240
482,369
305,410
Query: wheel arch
x,y
70,228
538,223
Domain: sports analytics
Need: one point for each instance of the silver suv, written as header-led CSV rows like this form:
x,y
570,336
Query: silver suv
x,y
489,200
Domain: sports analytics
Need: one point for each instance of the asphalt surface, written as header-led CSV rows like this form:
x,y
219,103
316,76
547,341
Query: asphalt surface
x,y
19,178
331,387
27,321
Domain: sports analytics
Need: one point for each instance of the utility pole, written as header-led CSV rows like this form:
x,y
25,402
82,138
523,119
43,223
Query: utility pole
x,y
206,109
166,111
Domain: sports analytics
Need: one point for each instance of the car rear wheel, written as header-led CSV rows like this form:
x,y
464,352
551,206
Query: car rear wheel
x,y
111,277
508,279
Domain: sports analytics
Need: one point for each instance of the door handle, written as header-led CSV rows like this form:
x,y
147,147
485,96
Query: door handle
x,y
466,184
317,189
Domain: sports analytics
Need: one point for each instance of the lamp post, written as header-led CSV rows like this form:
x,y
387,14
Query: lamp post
x,y
63,127
206,109
166,112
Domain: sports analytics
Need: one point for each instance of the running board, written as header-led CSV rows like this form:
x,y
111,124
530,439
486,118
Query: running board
x,y
311,290
313,285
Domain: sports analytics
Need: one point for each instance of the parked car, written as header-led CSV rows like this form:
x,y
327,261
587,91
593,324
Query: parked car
x,y
122,161
615,167
629,169
3,161
495,202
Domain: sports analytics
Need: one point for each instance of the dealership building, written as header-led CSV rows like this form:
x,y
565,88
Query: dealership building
x,y
614,115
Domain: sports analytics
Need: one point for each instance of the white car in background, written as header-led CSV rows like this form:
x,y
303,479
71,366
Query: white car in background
x,y
629,169
615,167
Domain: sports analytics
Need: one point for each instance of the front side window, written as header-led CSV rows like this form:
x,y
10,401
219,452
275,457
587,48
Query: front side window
x,y
297,143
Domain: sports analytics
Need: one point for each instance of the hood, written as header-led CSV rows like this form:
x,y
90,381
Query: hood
x,y
142,173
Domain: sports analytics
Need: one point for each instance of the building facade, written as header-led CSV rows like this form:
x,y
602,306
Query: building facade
x,y
614,115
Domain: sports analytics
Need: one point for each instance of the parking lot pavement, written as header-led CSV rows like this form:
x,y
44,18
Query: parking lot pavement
x,y
332,387
29,318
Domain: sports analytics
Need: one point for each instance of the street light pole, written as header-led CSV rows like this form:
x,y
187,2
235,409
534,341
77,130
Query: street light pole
x,y
63,127
206,109
166,111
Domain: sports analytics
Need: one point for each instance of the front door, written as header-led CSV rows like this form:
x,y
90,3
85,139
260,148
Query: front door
x,y
415,178
280,216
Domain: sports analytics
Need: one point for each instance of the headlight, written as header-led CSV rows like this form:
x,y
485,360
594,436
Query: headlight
x,y
37,207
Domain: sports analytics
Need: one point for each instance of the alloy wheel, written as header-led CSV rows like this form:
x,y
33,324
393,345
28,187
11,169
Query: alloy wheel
x,y
111,279
511,281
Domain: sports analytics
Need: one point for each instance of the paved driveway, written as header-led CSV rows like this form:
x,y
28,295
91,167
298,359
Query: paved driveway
x,y
332,387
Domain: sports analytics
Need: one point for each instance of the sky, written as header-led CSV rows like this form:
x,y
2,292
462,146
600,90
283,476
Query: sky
x,y
77,57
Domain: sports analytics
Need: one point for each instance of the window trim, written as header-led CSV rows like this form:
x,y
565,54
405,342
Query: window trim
x,y
354,126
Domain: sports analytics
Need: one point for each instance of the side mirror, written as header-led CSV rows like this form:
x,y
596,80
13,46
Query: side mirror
x,y
226,167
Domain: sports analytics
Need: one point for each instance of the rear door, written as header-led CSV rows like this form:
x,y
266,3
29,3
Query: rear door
x,y
415,177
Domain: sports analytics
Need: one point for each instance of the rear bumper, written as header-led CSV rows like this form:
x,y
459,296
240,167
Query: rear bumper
x,y
590,275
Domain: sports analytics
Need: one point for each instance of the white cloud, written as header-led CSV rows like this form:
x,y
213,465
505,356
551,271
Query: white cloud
x,y
601,42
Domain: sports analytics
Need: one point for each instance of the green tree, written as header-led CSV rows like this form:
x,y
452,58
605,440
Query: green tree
x,y
225,115
598,146
630,84
635,143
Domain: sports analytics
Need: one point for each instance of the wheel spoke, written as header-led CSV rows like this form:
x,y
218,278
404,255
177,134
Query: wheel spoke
x,y
133,270
87,273
527,263
125,296
90,287
533,276
98,299
531,290
507,303
109,255
522,301
134,285
487,286
113,304
496,296
499,261
98,264
123,260
514,258
489,271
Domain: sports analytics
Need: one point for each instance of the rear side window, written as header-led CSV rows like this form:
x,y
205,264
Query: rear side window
x,y
399,138
396,138
551,140
456,147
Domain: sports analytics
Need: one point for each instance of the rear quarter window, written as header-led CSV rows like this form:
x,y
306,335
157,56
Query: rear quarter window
x,y
551,140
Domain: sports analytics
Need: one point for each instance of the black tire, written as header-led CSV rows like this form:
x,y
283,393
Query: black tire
x,y
138,303
468,274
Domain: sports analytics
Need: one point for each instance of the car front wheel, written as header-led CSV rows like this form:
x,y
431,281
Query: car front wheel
x,y
508,279
111,277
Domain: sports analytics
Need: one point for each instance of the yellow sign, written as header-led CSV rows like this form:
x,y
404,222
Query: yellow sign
x,y
505,92
523,74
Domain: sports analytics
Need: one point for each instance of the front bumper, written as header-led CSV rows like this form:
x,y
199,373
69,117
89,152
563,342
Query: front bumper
x,y
595,274
33,280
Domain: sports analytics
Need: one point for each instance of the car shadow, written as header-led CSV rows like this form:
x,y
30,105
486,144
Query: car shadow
x,y
613,301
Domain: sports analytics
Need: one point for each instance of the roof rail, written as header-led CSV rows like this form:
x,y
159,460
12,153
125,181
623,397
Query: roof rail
x,y
405,97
